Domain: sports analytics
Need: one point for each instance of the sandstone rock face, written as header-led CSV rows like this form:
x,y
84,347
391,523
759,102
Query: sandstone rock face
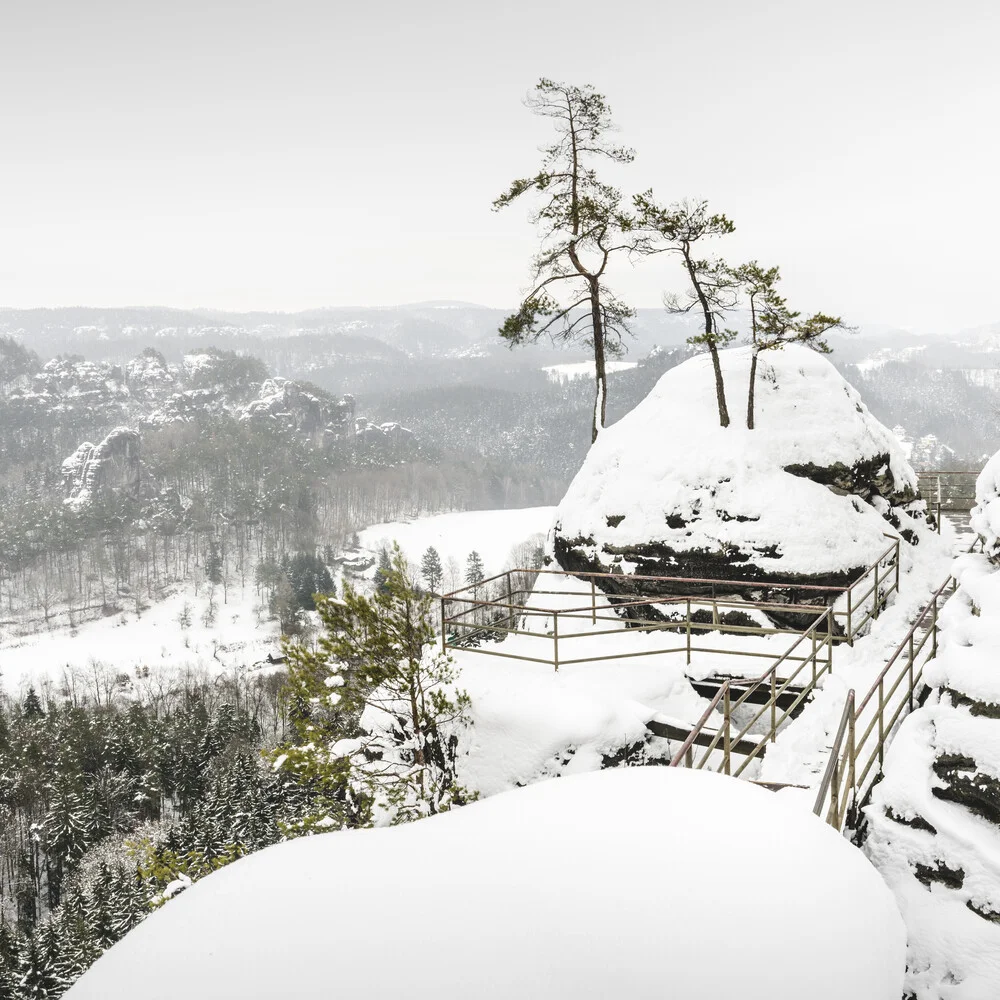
x,y
113,466
294,405
807,496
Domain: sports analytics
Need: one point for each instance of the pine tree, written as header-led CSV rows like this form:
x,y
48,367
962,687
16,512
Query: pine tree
x,y
213,562
432,569
380,653
474,571
32,706
583,225
383,569
714,288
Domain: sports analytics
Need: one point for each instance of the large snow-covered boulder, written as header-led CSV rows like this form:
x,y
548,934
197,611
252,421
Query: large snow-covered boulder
x,y
806,496
985,516
634,882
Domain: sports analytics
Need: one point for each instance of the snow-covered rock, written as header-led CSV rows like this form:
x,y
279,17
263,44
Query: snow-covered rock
x,y
634,882
934,820
985,516
299,408
806,496
111,466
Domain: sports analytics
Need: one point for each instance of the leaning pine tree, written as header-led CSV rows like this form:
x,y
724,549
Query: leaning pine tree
x,y
583,225
679,229
773,324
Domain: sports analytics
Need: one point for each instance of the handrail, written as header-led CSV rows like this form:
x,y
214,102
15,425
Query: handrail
x,y
833,772
883,575
770,675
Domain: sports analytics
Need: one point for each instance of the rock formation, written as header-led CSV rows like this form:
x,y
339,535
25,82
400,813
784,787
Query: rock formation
x,y
807,496
933,823
111,467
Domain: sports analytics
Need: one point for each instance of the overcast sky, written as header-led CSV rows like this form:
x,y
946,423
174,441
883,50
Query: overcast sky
x,y
287,155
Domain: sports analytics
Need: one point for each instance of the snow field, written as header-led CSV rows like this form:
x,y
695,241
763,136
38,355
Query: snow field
x,y
122,644
491,533
571,371
613,884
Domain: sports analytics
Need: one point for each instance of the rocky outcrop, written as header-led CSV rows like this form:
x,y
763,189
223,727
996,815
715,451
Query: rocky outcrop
x,y
806,497
933,824
305,409
111,467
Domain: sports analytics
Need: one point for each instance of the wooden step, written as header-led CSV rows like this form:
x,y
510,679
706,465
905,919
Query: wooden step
x,y
678,734
708,687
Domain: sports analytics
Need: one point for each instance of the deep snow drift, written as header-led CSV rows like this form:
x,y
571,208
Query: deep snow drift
x,y
935,819
605,885
985,516
805,496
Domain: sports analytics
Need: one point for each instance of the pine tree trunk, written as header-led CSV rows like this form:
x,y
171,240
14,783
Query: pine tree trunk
x,y
750,391
720,386
600,368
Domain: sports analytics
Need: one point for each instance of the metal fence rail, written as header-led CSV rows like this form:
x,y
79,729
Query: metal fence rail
x,y
856,760
948,492
496,608
726,736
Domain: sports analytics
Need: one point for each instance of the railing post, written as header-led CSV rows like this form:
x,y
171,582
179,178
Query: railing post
x,y
689,757
910,696
510,603
774,698
934,629
876,608
850,626
897,565
812,635
829,640
881,722
835,795
444,633
555,639
726,716
593,602
688,627
852,750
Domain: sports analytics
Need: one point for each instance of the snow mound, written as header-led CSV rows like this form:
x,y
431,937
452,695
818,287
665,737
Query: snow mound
x,y
807,495
934,821
621,883
985,516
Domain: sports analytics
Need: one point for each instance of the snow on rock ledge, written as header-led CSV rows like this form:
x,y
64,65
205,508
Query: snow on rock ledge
x,y
111,466
985,516
616,884
806,496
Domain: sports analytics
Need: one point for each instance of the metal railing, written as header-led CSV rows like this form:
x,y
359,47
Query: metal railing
x,y
948,492
726,740
478,618
857,760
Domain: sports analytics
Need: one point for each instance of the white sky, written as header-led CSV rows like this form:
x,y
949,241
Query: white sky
x,y
285,155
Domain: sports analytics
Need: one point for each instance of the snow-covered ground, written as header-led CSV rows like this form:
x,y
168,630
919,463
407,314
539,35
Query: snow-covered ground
x,y
625,883
240,636
584,369
491,533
